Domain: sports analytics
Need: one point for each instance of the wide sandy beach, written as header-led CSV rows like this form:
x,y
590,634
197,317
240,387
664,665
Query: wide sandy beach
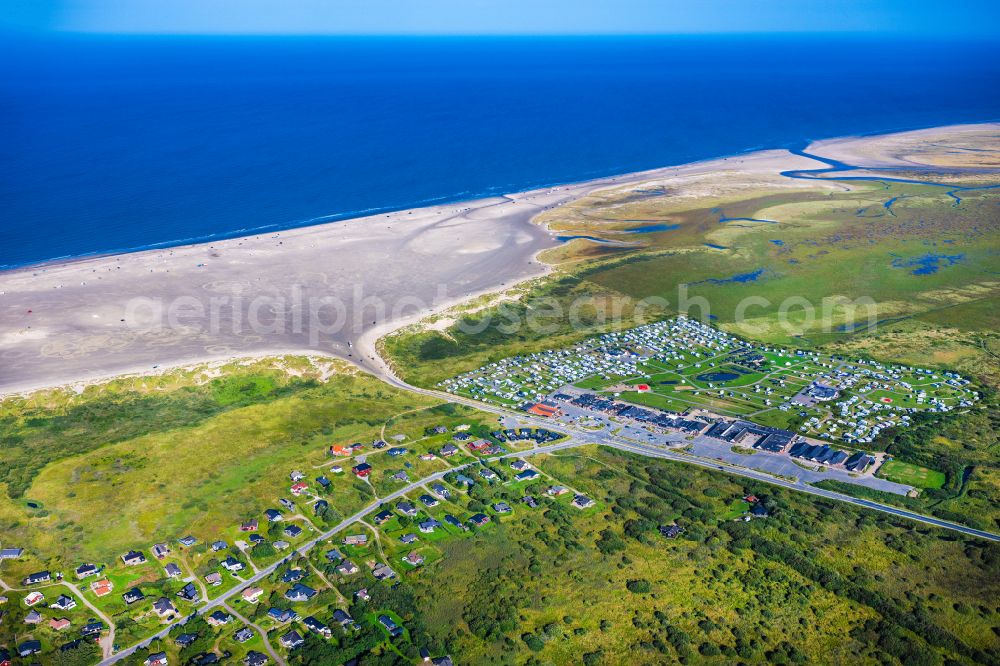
x,y
333,288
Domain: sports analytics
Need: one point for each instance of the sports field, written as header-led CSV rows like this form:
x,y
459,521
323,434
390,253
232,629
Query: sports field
x,y
911,475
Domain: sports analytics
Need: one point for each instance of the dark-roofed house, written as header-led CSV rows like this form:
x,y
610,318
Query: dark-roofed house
x,y
28,648
219,618
156,659
393,628
164,607
671,531
232,564
429,525
774,442
314,625
86,570
189,592
453,521
63,602
347,568
837,458
92,628
859,462
479,519
173,571
293,575
133,557
255,658
300,592
185,639
291,640
133,595
383,572
244,634
797,448
281,615
37,577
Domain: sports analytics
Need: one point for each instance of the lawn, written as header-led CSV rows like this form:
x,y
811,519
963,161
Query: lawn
x,y
911,475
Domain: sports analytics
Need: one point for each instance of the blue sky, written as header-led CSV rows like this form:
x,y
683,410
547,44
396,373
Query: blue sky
x,y
955,18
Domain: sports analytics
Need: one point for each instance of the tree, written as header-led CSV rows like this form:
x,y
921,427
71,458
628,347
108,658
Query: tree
x,y
534,643
638,585
610,542
84,654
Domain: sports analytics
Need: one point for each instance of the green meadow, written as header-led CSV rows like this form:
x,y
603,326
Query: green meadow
x,y
558,585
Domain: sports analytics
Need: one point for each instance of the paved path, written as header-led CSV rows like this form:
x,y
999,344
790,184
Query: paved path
x,y
108,643
263,634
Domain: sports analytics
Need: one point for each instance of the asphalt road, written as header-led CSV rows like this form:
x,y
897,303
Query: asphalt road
x,y
608,439
579,437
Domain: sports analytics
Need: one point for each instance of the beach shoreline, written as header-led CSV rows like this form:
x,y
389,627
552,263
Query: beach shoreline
x,y
69,322
841,148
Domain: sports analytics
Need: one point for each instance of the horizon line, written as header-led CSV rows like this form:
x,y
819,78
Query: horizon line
x,y
985,36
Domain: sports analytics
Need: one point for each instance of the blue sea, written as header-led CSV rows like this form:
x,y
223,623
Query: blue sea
x,y
115,143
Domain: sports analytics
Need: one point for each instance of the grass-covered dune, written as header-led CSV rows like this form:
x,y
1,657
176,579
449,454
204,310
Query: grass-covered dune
x,y
124,464
814,582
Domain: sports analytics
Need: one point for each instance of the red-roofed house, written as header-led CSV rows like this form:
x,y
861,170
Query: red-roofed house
x,y
60,624
479,444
